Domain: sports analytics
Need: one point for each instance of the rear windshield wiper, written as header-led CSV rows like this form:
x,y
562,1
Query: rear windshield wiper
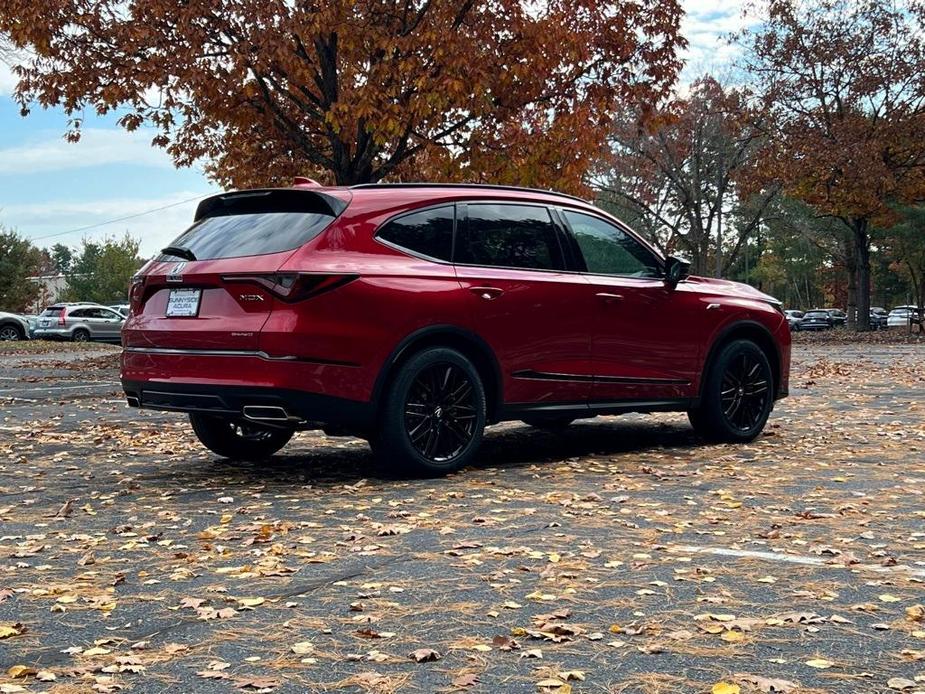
x,y
179,252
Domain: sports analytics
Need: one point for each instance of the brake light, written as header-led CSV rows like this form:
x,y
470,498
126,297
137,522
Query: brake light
x,y
135,294
292,287
62,317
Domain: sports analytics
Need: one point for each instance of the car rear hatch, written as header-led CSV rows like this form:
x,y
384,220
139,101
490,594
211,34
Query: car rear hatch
x,y
215,286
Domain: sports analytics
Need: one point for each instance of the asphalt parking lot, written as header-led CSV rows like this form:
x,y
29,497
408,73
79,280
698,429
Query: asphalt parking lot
x,y
623,555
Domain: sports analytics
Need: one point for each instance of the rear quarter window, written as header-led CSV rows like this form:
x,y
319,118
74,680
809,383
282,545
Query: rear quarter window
x,y
428,232
53,311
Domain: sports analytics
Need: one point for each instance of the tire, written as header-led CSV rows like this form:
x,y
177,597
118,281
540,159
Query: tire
x,y
433,415
548,423
238,440
737,395
80,335
10,332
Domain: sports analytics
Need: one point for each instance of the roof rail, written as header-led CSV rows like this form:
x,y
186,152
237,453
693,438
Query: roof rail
x,y
489,186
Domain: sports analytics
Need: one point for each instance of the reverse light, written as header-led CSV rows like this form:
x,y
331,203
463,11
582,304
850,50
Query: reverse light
x,y
294,286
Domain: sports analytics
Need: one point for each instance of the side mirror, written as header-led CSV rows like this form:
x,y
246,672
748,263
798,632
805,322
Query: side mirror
x,y
676,269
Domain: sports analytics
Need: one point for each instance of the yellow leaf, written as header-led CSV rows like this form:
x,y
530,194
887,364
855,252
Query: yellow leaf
x,y
482,648
97,650
615,629
725,688
820,663
916,613
886,597
67,599
18,671
733,636
303,647
8,630
251,602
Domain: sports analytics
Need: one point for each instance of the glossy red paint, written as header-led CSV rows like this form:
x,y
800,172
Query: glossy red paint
x,y
547,337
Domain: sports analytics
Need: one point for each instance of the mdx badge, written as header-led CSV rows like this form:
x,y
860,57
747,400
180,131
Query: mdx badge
x,y
250,297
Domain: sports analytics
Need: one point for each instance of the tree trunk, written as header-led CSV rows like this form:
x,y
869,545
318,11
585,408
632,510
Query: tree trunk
x,y
862,254
851,270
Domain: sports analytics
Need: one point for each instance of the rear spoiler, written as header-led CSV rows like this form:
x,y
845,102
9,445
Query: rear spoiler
x,y
269,200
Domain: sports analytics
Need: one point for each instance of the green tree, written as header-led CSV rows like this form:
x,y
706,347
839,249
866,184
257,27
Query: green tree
x,y
61,257
19,259
101,271
905,244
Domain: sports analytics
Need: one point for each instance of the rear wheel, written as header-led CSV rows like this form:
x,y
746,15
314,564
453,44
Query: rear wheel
x,y
81,335
737,394
10,332
238,440
433,415
548,423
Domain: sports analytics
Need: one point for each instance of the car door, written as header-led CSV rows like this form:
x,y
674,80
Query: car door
x,y
648,337
527,307
110,323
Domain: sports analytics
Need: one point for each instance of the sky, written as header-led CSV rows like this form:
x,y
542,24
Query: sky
x,y
53,191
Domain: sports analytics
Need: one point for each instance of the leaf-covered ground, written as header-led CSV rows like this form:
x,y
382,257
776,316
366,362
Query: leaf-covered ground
x,y
620,556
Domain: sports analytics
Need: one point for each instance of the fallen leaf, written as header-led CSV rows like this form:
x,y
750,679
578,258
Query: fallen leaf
x,y
820,663
8,630
303,647
467,679
725,688
900,683
18,671
424,655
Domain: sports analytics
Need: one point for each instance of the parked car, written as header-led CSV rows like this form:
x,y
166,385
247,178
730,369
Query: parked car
x,y
839,317
80,322
13,327
902,316
121,308
878,318
413,315
817,319
793,318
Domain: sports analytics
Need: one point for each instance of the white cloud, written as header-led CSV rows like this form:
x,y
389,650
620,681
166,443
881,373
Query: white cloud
x,y
706,26
155,229
7,79
97,146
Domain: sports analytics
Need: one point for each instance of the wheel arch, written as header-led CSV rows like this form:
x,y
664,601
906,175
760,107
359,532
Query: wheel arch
x,y
10,323
466,342
746,330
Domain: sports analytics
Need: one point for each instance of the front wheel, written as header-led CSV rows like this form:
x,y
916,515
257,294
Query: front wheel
x,y
433,415
11,332
238,440
737,394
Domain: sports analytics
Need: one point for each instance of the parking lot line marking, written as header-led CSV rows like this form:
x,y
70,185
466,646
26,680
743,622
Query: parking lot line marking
x,y
795,559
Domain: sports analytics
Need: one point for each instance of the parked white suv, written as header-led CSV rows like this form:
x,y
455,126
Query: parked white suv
x,y
13,327
80,322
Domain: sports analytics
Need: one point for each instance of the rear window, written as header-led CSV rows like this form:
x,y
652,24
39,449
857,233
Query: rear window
x,y
53,311
255,223
816,314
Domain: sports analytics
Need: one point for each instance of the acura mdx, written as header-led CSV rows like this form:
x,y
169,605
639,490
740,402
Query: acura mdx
x,y
413,315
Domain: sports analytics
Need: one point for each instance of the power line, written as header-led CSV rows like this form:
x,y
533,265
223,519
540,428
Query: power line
x,y
119,219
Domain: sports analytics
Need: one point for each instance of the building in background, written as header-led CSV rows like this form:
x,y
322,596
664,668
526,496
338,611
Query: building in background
x,y
51,287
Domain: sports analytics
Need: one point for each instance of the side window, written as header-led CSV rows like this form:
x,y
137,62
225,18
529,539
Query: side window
x,y
608,250
79,313
518,236
428,232
111,315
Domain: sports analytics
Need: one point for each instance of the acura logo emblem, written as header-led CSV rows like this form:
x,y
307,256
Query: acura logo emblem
x,y
176,275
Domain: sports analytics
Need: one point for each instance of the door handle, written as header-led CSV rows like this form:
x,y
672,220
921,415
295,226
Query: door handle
x,y
609,298
487,293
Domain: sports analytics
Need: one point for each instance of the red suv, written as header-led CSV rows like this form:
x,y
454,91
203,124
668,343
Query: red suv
x,y
413,315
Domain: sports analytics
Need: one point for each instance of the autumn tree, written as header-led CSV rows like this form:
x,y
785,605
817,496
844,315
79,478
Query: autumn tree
x,y
844,81
19,260
510,91
102,270
683,174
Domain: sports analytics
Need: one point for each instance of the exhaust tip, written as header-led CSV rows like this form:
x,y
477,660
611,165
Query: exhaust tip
x,y
133,401
265,413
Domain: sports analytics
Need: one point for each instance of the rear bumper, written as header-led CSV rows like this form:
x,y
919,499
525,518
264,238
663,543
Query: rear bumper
x,y
280,406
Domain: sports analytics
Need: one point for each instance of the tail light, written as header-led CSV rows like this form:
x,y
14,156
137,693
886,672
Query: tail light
x,y
294,286
62,317
135,294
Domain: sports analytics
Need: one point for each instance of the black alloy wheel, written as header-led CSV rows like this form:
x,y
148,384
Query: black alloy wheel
x,y
746,389
737,394
433,415
440,412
